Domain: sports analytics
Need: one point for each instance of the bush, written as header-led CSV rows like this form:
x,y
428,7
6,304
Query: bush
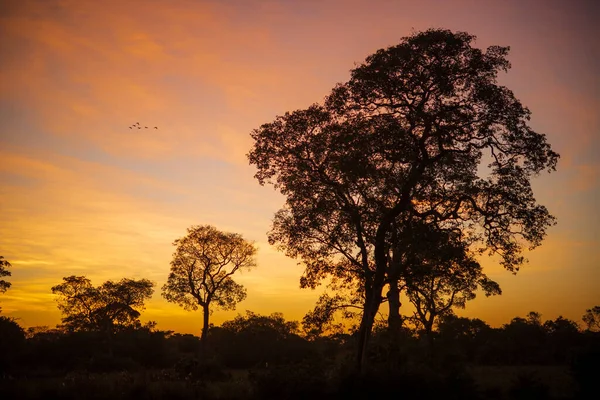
x,y
528,387
191,367
290,381
584,369
416,381
12,340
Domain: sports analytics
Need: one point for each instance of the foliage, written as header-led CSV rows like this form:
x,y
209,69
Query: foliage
x,y
463,337
404,138
12,339
561,326
260,356
291,381
440,273
523,341
584,368
109,307
258,340
592,319
4,265
322,318
202,268
527,387
260,325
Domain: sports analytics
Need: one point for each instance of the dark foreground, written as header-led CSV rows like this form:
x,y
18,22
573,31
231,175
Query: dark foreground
x,y
263,358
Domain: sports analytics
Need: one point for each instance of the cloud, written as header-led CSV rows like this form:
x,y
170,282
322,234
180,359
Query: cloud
x,y
80,192
63,215
89,70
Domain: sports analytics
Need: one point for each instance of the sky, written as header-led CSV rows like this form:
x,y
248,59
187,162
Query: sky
x,y
81,194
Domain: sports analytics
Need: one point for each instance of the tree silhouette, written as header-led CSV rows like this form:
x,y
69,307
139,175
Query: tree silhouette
x,y
12,339
4,265
466,336
524,340
107,308
404,138
592,319
258,324
321,318
437,269
343,301
202,268
440,274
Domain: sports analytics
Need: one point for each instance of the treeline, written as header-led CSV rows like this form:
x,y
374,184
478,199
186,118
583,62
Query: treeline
x,y
255,340
266,356
102,350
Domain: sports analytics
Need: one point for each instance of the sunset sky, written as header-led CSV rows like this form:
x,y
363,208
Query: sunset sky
x,y
82,194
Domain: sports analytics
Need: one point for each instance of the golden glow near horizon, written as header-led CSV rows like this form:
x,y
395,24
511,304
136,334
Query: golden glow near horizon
x,y
80,193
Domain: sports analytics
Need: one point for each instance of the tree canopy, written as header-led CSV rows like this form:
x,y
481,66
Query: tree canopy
x,y
202,268
591,318
257,324
438,271
108,307
4,265
406,137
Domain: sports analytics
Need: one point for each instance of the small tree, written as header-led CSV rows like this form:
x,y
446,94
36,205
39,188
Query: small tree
x,y
441,274
256,324
202,268
322,318
592,319
437,294
253,339
464,336
108,307
4,265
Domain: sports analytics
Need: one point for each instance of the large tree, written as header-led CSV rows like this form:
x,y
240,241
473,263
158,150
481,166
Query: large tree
x,y
4,265
107,308
405,138
202,268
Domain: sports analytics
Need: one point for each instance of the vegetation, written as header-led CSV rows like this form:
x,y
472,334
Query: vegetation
x,y
592,319
384,193
202,269
107,308
429,111
265,356
4,265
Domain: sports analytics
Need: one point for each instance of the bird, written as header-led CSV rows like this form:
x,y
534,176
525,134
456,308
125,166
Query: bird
x,y
137,125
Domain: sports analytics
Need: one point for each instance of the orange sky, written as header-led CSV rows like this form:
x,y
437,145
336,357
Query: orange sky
x,y
80,193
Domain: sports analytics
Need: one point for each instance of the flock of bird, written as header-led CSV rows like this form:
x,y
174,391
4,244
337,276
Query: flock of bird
x,y
137,125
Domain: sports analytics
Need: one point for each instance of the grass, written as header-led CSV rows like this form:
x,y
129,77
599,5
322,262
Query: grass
x,y
499,382
556,378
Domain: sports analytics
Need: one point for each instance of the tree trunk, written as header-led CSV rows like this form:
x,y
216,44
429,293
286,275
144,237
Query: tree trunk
x,y
204,334
381,264
394,318
109,343
364,333
429,337
373,300
393,295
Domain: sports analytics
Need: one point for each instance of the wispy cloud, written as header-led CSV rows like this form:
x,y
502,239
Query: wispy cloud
x,y
81,193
